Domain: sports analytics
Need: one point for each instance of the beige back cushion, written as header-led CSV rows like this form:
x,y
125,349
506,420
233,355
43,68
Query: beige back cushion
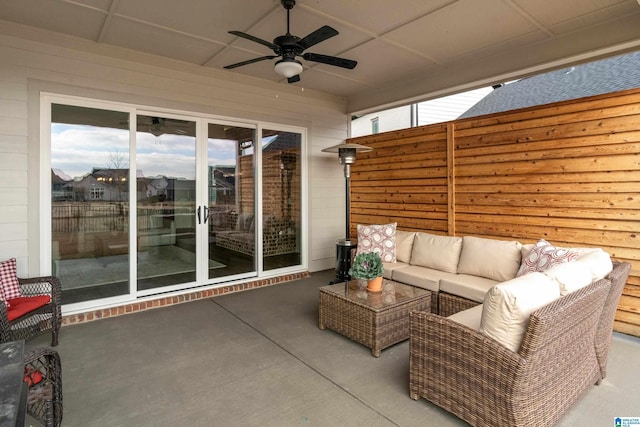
x,y
597,261
508,305
494,259
437,252
404,245
570,276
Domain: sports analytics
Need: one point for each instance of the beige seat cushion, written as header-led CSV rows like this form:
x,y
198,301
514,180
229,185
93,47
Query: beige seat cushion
x,y
422,277
404,245
437,252
470,318
494,259
508,305
466,286
389,267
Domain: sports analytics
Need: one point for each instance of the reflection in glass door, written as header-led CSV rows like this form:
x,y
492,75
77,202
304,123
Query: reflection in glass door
x,y
166,201
281,198
90,202
231,200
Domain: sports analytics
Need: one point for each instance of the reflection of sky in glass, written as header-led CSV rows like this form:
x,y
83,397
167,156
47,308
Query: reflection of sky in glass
x,y
221,152
173,156
77,149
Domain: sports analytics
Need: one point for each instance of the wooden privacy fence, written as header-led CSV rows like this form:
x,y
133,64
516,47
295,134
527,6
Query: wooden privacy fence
x,y
567,172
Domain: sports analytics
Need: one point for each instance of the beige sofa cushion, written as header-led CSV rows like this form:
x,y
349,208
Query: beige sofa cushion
x,y
422,277
404,245
466,286
470,318
508,305
437,252
597,261
570,276
494,259
389,267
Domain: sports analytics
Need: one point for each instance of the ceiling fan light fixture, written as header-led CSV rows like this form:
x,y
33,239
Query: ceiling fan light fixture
x,y
288,67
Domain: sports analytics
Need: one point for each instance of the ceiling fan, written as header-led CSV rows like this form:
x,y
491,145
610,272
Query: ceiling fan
x,y
288,47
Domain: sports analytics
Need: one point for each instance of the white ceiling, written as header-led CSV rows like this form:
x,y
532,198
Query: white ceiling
x,y
406,49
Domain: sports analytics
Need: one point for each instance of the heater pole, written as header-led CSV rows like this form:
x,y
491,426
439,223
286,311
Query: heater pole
x,y
347,198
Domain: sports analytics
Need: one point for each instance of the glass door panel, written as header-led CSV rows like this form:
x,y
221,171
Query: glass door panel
x,y
231,200
281,198
166,201
90,202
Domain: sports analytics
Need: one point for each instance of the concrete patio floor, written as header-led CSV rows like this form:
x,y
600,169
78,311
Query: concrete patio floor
x,y
258,358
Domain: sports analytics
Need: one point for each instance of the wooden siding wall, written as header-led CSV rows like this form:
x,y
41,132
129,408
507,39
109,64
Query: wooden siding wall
x,y
567,172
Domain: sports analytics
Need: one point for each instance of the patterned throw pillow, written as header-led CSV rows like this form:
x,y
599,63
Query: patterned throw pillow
x,y
378,238
9,280
544,256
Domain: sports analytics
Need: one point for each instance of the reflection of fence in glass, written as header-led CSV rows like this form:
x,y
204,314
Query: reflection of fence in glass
x,y
72,217
97,217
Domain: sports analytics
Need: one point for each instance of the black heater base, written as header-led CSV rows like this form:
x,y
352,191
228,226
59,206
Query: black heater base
x,y
344,249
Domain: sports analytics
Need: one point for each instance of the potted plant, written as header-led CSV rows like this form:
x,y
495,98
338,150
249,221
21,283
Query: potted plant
x,y
368,266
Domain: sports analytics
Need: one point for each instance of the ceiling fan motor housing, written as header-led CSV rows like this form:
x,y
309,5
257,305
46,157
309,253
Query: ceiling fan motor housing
x,y
288,47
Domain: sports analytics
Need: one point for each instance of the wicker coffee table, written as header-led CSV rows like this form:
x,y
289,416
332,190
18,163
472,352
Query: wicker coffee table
x,y
377,320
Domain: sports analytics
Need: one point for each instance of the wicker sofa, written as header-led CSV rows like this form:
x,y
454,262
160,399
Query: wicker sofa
x,y
563,352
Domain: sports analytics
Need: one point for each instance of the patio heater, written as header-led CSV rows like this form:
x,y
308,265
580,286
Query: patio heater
x,y
347,157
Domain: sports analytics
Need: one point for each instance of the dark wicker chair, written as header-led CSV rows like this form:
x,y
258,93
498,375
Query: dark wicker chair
x,y
43,374
44,319
563,354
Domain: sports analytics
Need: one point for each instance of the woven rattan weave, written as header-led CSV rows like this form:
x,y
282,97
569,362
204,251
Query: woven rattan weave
x,y
44,319
377,320
563,354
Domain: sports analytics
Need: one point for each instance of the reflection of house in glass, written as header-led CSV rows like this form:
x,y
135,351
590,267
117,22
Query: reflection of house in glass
x,y
222,184
59,181
112,185
100,184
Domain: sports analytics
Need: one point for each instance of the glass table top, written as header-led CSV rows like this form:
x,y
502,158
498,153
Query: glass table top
x,y
392,293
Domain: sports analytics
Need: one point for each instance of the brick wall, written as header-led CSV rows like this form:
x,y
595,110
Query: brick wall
x,y
195,295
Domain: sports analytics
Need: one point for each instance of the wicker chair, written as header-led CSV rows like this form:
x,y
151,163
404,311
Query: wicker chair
x,y
43,374
563,353
618,278
41,320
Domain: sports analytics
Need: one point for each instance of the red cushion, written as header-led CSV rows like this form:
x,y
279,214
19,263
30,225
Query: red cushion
x,y
32,377
23,305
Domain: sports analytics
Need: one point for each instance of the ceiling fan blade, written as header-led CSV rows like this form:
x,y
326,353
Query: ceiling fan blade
x,y
270,45
330,60
319,35
249,61
294,79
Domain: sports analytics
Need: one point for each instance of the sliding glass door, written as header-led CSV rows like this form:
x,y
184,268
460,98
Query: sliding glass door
x,y
231,193
166,201
281,198
143,202
90,201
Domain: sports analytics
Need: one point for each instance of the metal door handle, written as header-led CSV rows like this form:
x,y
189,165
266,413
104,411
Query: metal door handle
x,y
206,213
199,219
